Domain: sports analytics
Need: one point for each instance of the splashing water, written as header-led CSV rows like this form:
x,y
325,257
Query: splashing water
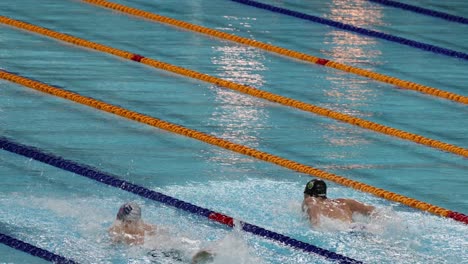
x,y
76,227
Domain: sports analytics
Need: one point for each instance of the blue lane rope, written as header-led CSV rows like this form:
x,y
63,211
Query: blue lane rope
x,y
33,250
421,10
91,173
363,31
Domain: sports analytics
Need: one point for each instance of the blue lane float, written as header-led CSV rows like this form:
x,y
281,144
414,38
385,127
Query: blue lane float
x,y
421,10
94,174
33,250
363,31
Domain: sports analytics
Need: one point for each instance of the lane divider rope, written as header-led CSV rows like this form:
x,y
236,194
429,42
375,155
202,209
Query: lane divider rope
x,y
363,31
421,10
264,156
282,51
91,173
33,250
242,88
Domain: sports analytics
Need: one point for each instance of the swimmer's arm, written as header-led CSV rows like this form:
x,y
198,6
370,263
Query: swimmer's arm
x,y
314,216
360,207
112,230
151,229
314,219
114,234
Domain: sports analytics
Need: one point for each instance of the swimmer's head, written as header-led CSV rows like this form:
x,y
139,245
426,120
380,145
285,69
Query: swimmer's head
x,y
316,188
129,212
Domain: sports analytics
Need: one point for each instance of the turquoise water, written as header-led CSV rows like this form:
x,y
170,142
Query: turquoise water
x,y
69,215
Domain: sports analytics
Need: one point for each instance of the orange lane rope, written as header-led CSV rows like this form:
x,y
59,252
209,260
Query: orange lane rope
x,y
282,51
241,88
161,124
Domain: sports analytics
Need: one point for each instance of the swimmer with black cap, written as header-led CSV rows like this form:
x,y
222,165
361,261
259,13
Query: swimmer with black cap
x,y
316,188
129,227
316,204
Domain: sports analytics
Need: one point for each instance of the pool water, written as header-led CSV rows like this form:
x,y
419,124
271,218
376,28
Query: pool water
x,y
69,215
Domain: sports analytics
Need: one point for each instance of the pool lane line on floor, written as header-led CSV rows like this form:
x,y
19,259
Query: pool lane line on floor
x,y
359,30
108,179
282,51
33,250
213,140
241,88
422,10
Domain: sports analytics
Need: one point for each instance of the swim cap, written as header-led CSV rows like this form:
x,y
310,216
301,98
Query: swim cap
x,y
129,212
316,188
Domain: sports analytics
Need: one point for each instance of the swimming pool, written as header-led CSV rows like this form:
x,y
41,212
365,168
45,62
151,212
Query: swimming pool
x,y
68,214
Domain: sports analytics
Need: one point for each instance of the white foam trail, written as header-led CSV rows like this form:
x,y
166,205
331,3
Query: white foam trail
x,y
232,248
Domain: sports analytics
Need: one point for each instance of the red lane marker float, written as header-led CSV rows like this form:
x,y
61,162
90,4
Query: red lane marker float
x,y
322,61
137,57
224,219
458,216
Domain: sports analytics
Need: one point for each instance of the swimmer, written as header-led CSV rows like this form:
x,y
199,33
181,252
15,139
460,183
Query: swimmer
x,y
316,204
129,228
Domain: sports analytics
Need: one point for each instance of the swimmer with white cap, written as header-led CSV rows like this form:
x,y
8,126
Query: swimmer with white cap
x,y
129,228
